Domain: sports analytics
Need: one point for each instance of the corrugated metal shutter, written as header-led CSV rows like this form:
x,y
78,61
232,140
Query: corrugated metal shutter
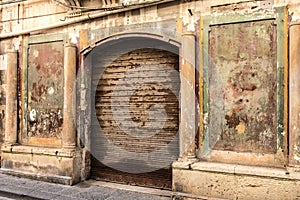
x,y
137,107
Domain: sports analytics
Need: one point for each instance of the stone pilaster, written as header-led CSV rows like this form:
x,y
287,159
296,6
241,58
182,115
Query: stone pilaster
x,y
188,98
294,100
11,59
69,131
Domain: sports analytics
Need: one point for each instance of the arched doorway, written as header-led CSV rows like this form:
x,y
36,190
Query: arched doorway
x,y
135,111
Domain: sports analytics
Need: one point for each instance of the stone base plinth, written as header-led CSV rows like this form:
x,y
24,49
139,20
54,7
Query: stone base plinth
x,y
229,181
48,164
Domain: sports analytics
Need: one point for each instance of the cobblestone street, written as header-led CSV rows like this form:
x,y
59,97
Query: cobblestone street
x,y
21,188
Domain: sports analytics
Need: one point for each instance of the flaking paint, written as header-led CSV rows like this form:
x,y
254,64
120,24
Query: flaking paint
x,y
45,89
243,85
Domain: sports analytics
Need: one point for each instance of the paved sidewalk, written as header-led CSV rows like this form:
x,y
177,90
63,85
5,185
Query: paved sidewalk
x,y
12,187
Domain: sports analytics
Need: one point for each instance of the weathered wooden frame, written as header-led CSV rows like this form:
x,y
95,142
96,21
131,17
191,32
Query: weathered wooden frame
x,y
22,136
280,158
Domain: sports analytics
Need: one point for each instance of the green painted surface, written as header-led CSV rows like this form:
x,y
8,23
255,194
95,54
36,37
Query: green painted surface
x,y
280,75
242,90
259,43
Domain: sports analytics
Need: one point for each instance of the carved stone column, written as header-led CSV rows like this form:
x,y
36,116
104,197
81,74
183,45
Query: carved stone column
x,y
11,59
69,131
188,98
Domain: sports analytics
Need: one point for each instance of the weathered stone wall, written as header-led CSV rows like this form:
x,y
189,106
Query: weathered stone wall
x,y
26,19
37,14
48,164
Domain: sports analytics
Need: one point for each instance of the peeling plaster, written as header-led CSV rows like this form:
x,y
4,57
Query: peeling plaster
x,y
189,22
17,42
74,36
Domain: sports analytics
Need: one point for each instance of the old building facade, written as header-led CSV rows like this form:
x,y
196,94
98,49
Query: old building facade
x,y
200,97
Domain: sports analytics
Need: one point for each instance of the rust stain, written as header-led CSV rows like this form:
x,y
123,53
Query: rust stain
x,y
245,89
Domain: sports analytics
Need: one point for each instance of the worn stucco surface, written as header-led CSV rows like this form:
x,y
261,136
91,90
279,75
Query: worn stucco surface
x,y
234,186
294,95
243,86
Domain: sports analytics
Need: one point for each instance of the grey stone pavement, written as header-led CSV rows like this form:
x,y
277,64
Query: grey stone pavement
x,y
12,187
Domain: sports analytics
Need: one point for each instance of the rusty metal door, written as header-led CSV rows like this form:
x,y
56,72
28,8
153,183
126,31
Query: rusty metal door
x,y
136,105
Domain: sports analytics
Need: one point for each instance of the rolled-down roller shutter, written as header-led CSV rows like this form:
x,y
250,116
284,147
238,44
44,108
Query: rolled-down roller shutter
x,y
135,128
